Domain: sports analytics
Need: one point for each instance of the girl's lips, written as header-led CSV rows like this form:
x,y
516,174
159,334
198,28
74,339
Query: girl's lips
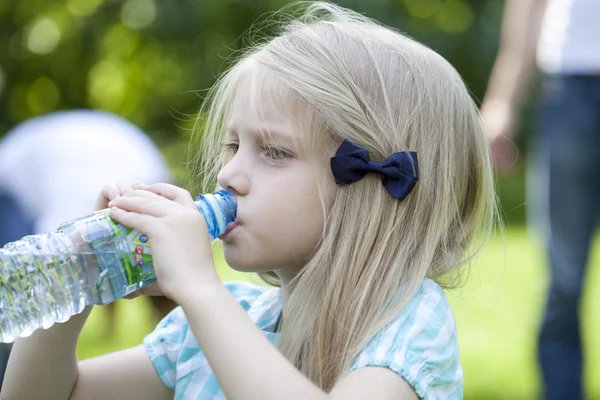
x,y
231,226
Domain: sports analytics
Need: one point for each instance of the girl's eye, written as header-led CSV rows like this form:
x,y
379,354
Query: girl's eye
x,y
276,154
232,147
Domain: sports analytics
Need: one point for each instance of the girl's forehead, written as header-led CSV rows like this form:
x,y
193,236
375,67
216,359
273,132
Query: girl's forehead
x,y
260,103
263,97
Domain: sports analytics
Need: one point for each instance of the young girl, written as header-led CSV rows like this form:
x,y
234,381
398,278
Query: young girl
x,y
361,173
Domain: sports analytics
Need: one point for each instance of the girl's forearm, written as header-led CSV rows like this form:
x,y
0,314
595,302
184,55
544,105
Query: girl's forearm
x,y
44,365
234,346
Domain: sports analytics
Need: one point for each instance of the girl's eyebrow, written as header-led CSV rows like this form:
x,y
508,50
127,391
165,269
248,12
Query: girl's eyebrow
x,y
270,133
275,131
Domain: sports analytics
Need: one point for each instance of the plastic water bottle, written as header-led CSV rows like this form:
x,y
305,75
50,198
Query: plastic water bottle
x,y
49,277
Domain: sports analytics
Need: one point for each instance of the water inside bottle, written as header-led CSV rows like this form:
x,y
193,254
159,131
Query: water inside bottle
x,y
47,278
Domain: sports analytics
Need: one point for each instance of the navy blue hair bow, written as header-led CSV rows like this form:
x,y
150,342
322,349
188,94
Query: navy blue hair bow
x,y
399,173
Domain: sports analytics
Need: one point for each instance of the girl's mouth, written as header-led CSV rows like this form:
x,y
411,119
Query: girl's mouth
x,y
231,226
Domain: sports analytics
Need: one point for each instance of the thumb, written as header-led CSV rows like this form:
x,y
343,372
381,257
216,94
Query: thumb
x,y
152,289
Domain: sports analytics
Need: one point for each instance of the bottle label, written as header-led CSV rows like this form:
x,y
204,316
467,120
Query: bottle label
x,y
136,255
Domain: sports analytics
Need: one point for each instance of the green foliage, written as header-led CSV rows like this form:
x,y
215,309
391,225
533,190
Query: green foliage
x,y
151,61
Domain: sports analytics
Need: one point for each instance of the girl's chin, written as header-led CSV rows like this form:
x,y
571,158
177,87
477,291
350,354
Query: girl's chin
x,y
237,263
243,265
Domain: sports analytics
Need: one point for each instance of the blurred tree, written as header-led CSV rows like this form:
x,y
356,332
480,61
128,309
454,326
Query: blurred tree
x,y
145,59
151,61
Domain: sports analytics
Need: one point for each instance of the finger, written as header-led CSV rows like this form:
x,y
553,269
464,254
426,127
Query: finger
x,y
138,184
107,193
157,207
152,289
125,187
133,220
171,192
145,194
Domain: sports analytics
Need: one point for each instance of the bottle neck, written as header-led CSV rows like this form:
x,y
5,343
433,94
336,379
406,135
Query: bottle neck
x,y
219,210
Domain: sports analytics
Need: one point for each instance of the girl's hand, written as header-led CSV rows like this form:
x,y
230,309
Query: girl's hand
x,y
111,192
178,235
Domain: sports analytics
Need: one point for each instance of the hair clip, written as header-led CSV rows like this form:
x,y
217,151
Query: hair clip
x,y
399,173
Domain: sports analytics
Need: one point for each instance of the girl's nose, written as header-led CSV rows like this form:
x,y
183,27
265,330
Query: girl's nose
x,y
234,177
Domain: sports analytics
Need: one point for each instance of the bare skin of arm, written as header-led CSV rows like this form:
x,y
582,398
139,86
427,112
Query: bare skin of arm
x,y
511,76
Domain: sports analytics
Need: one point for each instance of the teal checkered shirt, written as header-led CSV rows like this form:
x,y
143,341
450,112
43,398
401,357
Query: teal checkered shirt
x,y
420,345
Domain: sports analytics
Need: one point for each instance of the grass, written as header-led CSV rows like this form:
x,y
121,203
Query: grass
x,y
497,313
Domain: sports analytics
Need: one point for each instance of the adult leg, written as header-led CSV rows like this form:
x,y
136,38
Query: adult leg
x,y
565,198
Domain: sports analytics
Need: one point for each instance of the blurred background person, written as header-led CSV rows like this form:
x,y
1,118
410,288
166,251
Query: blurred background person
x,y
561,38
52,167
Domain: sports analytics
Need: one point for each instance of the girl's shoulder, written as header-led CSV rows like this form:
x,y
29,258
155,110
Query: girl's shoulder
x,y
420,345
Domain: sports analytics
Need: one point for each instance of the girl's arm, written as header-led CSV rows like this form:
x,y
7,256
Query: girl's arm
x,y
514,67
127,374
44,366
249,367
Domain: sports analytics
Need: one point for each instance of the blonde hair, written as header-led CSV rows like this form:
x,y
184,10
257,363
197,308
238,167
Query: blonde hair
x,y
372,85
